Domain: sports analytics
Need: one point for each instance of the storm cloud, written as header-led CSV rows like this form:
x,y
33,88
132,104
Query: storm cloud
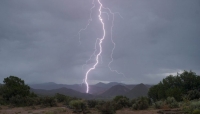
x,y
39,40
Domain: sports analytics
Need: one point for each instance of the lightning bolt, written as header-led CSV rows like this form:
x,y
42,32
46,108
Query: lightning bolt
x,y
114,45
90,19
100,47
99,41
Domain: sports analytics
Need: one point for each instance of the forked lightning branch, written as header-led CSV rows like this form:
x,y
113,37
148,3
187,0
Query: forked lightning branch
x,y
100,40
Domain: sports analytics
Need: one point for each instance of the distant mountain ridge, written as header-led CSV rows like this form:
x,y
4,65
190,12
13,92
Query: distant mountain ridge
x,y
77,87
138,91
64,91
115,90
98,90
94,89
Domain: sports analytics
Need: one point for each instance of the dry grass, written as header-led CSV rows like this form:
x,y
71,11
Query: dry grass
x,y
35,110
64,110
129,111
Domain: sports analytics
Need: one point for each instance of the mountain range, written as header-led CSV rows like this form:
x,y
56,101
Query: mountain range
x,y
99,90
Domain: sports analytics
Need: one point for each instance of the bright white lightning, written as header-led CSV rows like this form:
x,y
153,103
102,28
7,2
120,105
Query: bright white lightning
x,y
99,41
100,47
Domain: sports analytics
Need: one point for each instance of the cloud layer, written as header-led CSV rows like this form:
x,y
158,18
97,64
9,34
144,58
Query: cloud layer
x,y
39,40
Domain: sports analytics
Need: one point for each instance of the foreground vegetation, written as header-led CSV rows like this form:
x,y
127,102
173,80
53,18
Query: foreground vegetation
x,y
181,91
185,85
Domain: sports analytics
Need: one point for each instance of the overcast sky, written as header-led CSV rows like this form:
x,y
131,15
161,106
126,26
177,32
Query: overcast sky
x,y
39,40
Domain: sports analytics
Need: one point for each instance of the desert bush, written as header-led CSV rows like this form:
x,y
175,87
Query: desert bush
x,y
194,107
106,108
78,105
141,103
117,106
48,101
193,94
68,99
158,104
92,103
100,102
2,101
171,102
120,102
196,111
60,97
30,101
23,101
38,100
133,101
17,100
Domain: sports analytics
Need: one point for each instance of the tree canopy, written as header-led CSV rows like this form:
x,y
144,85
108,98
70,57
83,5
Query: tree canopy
x,y
176,86
14,86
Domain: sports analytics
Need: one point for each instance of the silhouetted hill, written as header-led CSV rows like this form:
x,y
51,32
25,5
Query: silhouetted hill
x,y
100,84
96,89
129,86
77,87
52,85
108,85
137,91
114,83
115,90
64,91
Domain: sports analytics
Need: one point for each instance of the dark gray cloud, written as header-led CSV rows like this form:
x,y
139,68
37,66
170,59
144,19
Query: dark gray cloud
x,y
39,40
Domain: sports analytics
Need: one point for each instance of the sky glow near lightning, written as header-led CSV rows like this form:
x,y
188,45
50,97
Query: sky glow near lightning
x,y
99,41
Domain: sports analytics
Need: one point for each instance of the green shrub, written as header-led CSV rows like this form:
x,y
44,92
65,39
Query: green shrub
x,y
195,105
158,104
120,102
60,97
68,99
48,101
78,105
192,107
100,103
92,103
2,101
196,111
141,103
17,100
133,101
32,95
117,106
171,102
30,101
193,94
106,108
